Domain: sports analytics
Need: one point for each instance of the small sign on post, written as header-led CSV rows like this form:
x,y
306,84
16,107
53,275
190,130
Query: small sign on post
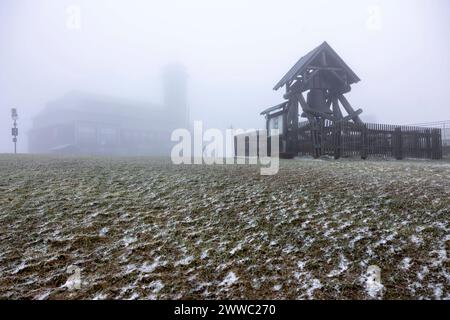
x,y
14,130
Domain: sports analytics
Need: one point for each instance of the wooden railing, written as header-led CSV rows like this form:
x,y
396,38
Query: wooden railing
x,y
348,139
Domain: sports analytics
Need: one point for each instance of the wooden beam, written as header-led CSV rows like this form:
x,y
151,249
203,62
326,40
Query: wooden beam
x,y
301,100
294,89
324,58
336,110
328,103
348,108
326,68
353,115
338,77
310,76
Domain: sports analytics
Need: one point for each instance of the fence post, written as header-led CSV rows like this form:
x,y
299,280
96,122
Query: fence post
x,y
429,152
315,137
436,144
397,145
416,144
363,150
247,146
337,139
257,143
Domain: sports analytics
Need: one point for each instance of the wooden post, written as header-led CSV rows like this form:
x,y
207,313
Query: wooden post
x,y
315,136
337,139
257,143
292,126
428,143
436,143
363,150
397,144
336,110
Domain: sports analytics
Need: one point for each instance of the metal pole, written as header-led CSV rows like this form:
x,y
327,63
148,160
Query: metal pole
x,y
15,131
15,138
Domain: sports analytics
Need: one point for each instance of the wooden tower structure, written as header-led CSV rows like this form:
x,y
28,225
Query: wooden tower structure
x,y
324,77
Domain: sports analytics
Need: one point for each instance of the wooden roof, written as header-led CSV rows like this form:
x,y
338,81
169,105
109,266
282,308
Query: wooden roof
x,y
278,106
306,60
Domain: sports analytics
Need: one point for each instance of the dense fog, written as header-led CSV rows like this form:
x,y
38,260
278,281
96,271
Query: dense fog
x,y
233,53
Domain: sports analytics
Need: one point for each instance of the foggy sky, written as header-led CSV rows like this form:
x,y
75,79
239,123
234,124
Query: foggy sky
x,y
234,52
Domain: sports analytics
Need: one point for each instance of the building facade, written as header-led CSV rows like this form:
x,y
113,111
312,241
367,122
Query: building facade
x,y
83,123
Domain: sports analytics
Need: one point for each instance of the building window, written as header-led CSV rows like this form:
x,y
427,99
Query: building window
x,y
107,136
86,134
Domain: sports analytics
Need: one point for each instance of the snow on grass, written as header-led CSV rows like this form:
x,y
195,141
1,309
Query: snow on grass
x,y
277,287
149,267
343,265
372,279
184,262
156,286
100,296
236,249
129,240
103,232
405,264
416,240
142,228
229,280
422,272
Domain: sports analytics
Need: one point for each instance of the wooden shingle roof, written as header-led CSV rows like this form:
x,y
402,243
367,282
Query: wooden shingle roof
x,y
301,65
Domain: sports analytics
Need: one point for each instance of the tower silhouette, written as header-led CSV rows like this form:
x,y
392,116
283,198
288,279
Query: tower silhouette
x,y
175,95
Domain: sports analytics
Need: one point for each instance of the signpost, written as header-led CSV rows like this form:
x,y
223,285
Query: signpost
x,y
15,130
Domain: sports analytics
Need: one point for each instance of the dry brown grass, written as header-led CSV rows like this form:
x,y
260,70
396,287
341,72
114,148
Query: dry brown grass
x,y
143,228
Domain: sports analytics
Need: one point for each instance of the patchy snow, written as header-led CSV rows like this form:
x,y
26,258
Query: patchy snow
x,y
205,254
307,283
314,285
437,290
44,295
309,232
149,267
184,262
277,287
405,264
229,280
129,240
103,231
416,240
100,296
343,265
422,272
19,268
156,286
372,279
236,249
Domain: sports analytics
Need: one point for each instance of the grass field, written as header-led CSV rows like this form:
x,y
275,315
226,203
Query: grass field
x,y
143,228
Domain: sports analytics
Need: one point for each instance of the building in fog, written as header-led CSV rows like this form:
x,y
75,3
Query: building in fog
x,y
83,123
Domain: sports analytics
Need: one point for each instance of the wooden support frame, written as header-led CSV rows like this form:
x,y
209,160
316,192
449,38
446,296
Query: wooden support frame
x,y
348,108
336,110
